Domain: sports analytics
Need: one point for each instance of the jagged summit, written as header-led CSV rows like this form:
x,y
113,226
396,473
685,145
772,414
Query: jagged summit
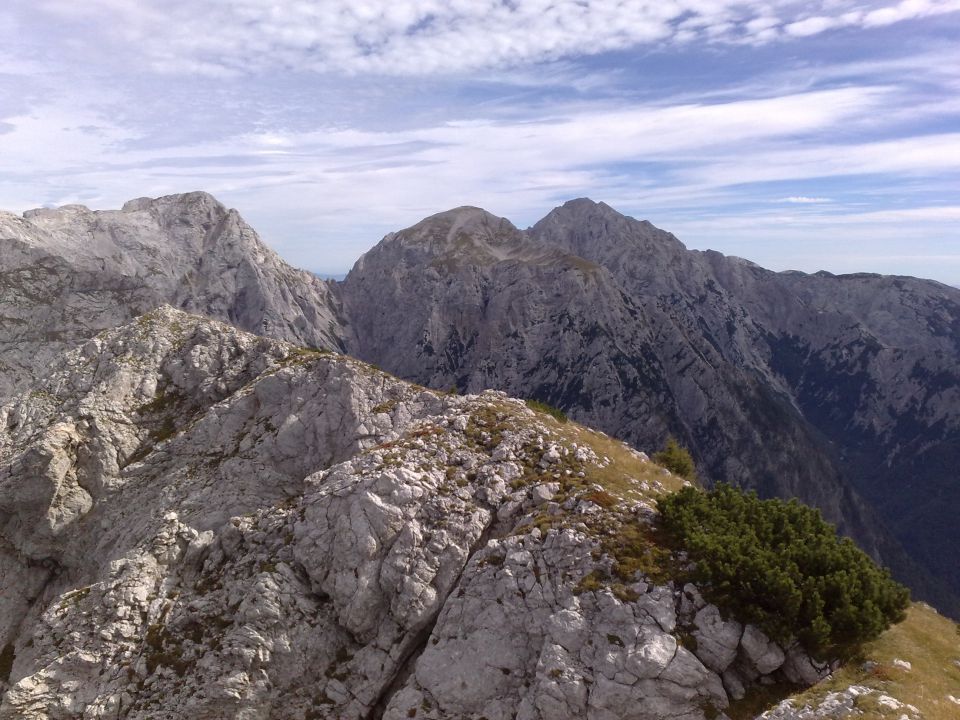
x,y
105,267
597,232
585,207
189,201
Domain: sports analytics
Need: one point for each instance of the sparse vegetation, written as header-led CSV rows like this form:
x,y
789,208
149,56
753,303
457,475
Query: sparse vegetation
x,y
780,566
557,414
924,639
676,459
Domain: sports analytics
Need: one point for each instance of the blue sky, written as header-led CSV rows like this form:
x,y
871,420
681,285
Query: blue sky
x,y
802,135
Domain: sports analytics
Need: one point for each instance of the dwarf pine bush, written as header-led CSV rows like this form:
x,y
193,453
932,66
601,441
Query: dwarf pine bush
x,y
777,564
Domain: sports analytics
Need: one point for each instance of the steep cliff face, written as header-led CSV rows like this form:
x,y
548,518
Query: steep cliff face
x,y
869,361
199,522
67,273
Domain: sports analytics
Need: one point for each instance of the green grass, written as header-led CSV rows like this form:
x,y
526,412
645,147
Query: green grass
x,y
925,639
542,407
618,479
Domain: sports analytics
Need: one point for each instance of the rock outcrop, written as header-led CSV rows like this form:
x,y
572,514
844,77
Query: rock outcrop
x,y
198,522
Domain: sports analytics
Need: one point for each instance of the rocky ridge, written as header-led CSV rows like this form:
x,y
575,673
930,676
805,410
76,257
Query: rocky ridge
x,y
203,522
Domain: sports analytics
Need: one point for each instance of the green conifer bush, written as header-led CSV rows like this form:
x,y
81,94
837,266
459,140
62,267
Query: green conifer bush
x,y
777,564
676,459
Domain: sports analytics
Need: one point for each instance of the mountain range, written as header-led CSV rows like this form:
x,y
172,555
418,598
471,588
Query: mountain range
x,y
843,391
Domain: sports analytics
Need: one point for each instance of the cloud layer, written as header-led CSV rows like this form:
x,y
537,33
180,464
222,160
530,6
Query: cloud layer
x,y
414,37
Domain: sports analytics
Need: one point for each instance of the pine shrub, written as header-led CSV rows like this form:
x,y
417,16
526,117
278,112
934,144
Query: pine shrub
x,y
676,459
778,565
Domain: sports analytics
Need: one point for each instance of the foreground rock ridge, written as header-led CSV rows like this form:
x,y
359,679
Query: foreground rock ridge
x,y
199,522
841,390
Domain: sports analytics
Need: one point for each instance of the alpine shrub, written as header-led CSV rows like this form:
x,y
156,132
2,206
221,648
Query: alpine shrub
x,y
676,459
780,566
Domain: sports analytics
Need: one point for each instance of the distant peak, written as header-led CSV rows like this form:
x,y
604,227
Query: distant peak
x,y
446,228
63,210
586,204
188,199
584,211
594,230
465,216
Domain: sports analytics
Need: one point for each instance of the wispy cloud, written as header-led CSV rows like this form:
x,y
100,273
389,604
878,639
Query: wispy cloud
x,y
430,36
805,200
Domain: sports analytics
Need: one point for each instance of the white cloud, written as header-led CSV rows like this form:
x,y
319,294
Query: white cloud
x,y
414,37
351,183
811,26
878,17
324,183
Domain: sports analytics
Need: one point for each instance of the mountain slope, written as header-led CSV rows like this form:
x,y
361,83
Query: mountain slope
x,y
196,521
67,273
840,390
869,361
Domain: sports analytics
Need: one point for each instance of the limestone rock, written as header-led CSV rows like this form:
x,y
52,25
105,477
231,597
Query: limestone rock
x,y
717,639
759,652
201,522
68,273
605,316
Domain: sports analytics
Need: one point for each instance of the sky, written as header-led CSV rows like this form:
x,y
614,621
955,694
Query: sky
x,y
822,134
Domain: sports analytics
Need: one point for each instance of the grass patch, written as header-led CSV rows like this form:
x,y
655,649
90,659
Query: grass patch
x,y
556,413
925,639
73,597
626,474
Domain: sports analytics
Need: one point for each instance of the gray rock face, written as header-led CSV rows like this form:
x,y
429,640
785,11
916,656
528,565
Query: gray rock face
x,y
828,388
67,273
198,522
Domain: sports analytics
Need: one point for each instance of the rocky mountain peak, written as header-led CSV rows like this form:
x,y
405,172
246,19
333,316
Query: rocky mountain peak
x,y
105,267
597,232
467,232
189,202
